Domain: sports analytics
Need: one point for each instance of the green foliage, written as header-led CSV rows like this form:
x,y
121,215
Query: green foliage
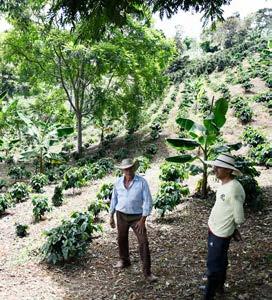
x,y
173,172
70,239
242,110
3,184
247,85
144,164
19,192
67,147
4,202
57,198
105,192
262,154
151,149
202,137
98,206
38,181
254,198
253,137
40,206
169,196
18,172
21,230
74,178
121,154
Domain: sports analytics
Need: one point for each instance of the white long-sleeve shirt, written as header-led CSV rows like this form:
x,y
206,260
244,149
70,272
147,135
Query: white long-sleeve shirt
x,y
136,199
228,211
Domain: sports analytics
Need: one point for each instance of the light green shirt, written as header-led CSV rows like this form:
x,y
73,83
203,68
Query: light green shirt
x,y
228,211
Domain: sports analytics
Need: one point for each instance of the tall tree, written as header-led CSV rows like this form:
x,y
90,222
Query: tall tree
x,y
128,64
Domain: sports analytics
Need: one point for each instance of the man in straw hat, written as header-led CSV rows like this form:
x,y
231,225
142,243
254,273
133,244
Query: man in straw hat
x,y
226,215
132,202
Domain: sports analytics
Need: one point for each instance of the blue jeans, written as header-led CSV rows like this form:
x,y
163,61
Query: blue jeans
x,y
217,263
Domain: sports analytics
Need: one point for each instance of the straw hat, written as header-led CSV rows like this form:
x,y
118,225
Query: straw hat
x,y
226,161
128,163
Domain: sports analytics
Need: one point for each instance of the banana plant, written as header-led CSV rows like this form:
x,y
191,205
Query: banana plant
x,y
202,138
41,136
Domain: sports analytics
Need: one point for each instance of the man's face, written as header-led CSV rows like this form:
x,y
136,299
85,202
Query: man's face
x,y
129,171
222,173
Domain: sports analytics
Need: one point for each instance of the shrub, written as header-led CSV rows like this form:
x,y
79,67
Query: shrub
x,y
151,149
107,164
57,198
263,97
105,192
70,239
67,147
121,154
3,184
95,172
37,182
21,230
254,198
5,202
98,206
262,154
144,164
252,136
18,172
244,113
40,206
247,85
169,196
19,192
74,178
173,172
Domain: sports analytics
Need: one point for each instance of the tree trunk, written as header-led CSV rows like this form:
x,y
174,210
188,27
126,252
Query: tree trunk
x,y
79,133
205,182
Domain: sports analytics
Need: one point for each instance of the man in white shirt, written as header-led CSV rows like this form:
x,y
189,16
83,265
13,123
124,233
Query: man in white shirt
x,y
226,215
132,202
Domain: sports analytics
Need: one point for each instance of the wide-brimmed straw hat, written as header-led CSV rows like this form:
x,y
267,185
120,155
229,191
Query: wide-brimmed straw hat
x,y
226,161
128,163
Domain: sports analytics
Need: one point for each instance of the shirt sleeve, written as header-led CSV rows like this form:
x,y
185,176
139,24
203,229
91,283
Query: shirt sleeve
x,y
238,209
113,200
147,200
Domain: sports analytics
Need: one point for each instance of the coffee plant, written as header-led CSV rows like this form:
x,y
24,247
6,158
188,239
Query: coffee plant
x,y
98,206
40,206
252,136
57,198
37,182
18,172
169,196
5,202
21,230
19,192
105,192
70,239
173,172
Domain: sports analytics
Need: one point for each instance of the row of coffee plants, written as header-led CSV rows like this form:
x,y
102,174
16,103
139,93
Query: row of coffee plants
x,y
242,110
157,124
260,151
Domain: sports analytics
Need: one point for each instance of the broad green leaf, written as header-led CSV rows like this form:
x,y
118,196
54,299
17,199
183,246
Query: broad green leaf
x,y
181,158
190,125
183,144
64,131
195,170
220,110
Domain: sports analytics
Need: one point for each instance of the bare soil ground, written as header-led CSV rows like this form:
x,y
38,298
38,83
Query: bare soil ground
x,y
178,246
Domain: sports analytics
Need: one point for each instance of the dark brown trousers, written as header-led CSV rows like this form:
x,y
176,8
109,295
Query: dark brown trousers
x,y
124,222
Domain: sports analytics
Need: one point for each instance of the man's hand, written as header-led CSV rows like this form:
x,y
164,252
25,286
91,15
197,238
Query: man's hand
x,y
237,236
140,226
112,222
